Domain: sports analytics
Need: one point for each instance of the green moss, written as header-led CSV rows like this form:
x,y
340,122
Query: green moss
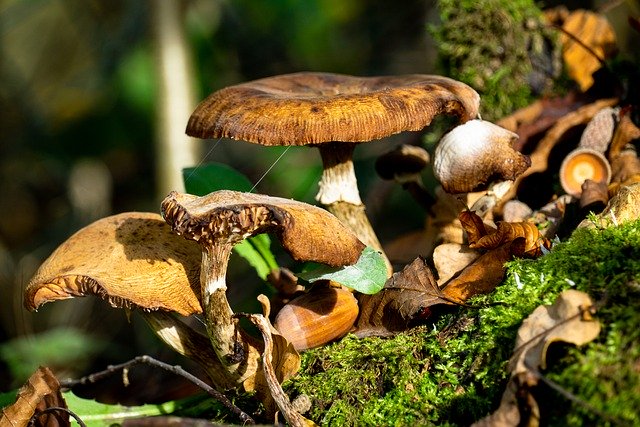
x,y
499,47
453,370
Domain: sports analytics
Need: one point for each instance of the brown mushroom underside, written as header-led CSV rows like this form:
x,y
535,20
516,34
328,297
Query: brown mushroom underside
x,y
311,108
307,232
131,260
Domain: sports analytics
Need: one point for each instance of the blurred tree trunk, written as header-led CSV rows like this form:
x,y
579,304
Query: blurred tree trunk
x,y
176,99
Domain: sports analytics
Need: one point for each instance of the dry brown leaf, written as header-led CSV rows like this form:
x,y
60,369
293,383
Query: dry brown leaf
x,y
406,296
594,31
276,354
473,225
569,319
41,391
480,277
451,258
284,361
507,232
483,237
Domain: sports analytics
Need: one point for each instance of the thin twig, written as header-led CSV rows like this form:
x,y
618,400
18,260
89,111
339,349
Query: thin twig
x,y
148,360
75,416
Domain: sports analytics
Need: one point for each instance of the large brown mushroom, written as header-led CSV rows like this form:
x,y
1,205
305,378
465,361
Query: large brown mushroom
x,y
222,219
134,261
333,112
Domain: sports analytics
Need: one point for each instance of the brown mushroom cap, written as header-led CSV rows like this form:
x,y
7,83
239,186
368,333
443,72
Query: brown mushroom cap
x,y
131,260
312,108
582,164
307,232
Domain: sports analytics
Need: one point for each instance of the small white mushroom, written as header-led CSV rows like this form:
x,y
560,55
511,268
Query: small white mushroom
x,y
474,154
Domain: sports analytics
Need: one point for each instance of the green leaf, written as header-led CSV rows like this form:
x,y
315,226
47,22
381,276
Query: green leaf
x,y
202,180
248,251
210,177
96,414
366,276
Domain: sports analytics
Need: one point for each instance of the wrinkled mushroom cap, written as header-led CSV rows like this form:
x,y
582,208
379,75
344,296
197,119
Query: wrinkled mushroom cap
x,y
307,232
312,108
131,260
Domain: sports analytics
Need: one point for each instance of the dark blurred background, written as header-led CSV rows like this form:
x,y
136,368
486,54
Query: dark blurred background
x,y
94,99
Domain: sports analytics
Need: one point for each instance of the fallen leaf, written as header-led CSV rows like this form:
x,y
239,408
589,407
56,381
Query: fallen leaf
x,y
41,391
405,297
569,319
283,359
451,258
593,31
275,347
508,232
482,237
480,277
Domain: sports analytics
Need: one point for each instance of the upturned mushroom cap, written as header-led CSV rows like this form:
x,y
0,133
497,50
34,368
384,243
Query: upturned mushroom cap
x,y
312,108
307,232
582,164
131,260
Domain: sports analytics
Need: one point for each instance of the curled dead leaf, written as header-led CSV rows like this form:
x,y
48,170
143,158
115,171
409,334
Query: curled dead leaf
x,y
480,277
483,237
41,391
406,296
278,353
568,319
594,31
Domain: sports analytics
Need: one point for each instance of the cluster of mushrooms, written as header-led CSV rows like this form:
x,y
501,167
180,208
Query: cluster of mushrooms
x,y
173,265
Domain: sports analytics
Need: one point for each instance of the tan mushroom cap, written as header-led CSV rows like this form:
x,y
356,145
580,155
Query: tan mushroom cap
x,y
312,108
131,260
307,232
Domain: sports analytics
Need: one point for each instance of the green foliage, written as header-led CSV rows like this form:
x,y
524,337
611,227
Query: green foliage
x,y
53,348
367,276
453,371
210,177
491,45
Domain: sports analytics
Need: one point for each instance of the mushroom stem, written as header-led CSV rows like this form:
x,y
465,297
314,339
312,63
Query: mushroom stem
x,y
339,193
235,350
338,182
190,343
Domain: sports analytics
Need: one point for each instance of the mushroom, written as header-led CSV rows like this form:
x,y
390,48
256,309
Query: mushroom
x,y
221,219
133,261
404,165
582,164
475,153
333,112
